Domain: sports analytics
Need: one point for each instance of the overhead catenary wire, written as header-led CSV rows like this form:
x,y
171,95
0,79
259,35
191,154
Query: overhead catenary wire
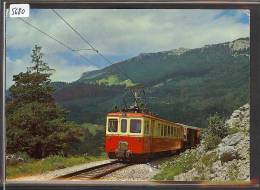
x,y
88,43
56,40
71,27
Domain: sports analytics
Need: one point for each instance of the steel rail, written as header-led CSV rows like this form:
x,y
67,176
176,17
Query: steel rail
x,y
96,171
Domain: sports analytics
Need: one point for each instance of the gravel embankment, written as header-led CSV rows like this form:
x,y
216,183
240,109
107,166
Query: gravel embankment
x,y
137,172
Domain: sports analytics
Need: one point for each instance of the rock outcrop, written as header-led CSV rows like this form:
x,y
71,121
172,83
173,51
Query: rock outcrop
x,y
239,118
227,153
14,159
230,159
239,44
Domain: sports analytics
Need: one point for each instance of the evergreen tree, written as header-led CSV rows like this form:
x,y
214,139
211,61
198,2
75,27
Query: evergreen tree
x,y
35,123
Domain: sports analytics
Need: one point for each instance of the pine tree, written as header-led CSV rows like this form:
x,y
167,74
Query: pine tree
x,y
35,123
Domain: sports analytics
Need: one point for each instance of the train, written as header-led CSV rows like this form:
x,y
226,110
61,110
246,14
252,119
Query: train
x,y
141,136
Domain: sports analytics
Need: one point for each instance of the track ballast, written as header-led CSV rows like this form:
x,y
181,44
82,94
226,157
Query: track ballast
x,y
95,172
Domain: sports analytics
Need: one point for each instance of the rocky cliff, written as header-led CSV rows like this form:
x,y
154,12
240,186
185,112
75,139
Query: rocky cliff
x,y
229,160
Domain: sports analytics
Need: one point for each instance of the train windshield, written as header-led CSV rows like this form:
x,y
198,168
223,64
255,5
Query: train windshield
x,y
112,125
135,126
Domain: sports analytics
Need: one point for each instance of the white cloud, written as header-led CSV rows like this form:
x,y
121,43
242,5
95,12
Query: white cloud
x,y
64,70
14,67
127,31
122,33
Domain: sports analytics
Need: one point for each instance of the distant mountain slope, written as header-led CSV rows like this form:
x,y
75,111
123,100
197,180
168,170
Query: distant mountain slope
x,y
147,67
184,85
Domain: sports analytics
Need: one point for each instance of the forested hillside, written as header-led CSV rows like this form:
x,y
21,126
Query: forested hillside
x,y
183,85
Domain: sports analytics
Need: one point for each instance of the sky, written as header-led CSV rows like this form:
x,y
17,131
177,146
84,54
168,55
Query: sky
x,y
117,34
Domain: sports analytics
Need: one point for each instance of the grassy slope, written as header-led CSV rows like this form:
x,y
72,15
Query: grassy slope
x,y
33,167
92,144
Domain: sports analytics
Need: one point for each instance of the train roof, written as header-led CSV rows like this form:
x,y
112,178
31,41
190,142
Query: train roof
x,y
133,114
188,126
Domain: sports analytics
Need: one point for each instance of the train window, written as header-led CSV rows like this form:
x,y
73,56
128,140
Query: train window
x,y
175,132
152,129
112,125
165,130
123,125
161,130
135,126
169,131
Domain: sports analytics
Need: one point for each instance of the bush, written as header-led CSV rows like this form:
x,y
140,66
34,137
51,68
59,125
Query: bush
x,y
233,130
181,164
233,171
92,141
204,163
209,159
19,157
211,141
216,126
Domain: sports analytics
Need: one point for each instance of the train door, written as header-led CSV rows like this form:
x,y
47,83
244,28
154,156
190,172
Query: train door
x,y
198,137
152,134
147,130
191,137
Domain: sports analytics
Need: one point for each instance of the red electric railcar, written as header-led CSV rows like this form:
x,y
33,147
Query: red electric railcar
x,y
131,135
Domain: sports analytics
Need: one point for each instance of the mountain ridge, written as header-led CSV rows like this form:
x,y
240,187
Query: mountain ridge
x,y
236,47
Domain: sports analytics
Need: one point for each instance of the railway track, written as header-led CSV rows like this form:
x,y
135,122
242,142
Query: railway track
x,y
95,172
